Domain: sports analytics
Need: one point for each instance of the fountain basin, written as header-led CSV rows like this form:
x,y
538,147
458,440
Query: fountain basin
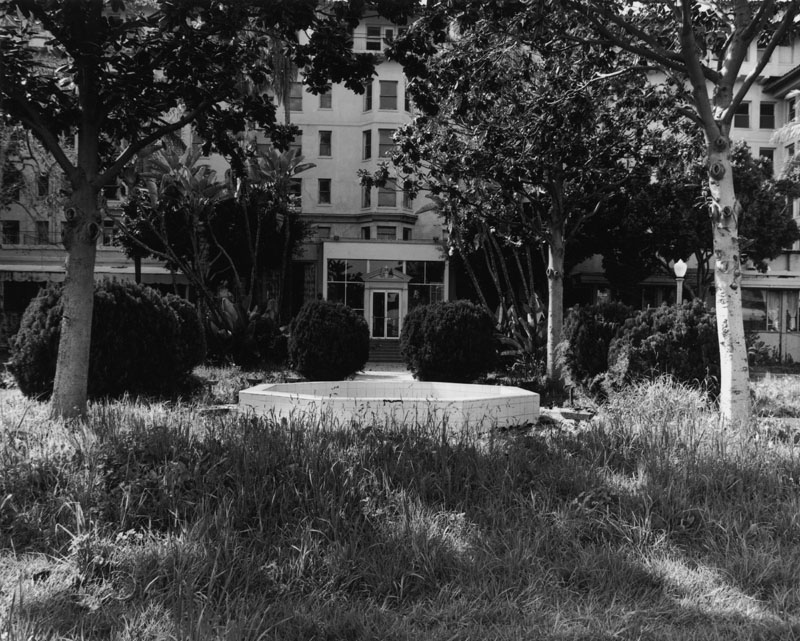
x,y
461,406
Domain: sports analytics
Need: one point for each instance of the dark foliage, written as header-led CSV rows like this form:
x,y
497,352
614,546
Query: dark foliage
x,y
679,341
588,332
329,341
141,342
192,346
452,342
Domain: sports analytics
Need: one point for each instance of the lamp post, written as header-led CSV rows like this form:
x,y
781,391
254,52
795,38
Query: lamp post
x,y
680,271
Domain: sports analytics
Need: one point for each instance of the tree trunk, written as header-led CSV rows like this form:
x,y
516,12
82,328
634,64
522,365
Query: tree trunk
x,y
80,238
725,213
555,291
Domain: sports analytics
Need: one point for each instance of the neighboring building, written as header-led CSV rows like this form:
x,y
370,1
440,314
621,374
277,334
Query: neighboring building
x,y
771,301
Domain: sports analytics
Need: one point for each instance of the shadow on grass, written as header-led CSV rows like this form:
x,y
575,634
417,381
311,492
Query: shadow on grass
x,y
296,532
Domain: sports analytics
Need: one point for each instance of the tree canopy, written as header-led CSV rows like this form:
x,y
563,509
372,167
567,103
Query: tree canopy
x,y
524,137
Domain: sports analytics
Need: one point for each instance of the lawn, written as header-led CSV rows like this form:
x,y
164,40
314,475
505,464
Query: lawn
x,y
162,520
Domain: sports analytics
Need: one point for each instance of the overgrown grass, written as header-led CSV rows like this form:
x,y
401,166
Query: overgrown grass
x,y
163,521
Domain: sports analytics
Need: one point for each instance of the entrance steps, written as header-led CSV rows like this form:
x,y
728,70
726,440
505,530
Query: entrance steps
x,y
384,351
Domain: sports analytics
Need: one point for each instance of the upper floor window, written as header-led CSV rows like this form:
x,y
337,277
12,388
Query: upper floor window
x,y
406,99
366,197
42,232
388,97
325,146
741,118
297,144
368,96
387,233
387,197
323,231
326,100
324,191
766,115
791,113
768,153
43,184
374,38
108,232
296,96
365,233
296,191
366,144
385,142
10,232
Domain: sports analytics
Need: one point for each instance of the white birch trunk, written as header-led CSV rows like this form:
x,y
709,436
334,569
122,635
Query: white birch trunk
x,y
725,212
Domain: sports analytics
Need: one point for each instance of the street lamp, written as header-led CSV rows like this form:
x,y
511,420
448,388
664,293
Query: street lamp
x,y
680,271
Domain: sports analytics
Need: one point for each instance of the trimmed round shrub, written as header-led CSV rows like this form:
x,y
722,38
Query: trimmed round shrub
x,y
587,335
451,342
137,346
192,346
679,341
329,341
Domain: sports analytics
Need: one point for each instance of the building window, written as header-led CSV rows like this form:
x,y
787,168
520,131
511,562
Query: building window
x,y
43,184
791,114
388,96
770,310
427,282
374,40
326,100
766,115
296,192
368,96
407,233
366,196
323,231
324,191
108,232
406,99
385,142
741,118
296,96
42,232
325,147
789,152
10,232
366,232
387,196
407,200
366,144
297,144
386,233
768,153
346,283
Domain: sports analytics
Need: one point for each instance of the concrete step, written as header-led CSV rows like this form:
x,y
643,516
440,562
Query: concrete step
x,y
384,351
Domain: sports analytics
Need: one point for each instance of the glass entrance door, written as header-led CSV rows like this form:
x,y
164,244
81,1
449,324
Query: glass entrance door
x,y
385,314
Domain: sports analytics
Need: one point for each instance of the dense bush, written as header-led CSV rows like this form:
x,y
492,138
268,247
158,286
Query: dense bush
x,y
588,332
141,343
679,341
451,341
191,343
328,341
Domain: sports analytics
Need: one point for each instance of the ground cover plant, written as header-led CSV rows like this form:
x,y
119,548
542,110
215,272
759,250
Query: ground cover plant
x,y
166,521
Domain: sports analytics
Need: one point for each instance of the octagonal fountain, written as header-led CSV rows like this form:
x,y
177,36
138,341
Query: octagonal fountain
x,y
398,402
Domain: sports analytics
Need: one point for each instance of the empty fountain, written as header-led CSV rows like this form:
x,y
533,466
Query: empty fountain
x,y
399,402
